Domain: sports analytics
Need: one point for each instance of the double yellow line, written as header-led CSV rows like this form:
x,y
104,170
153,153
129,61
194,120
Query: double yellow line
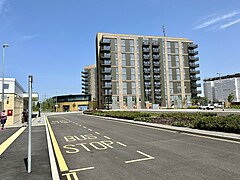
x,y
61,161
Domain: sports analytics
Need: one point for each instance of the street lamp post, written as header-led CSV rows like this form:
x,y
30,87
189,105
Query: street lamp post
x,y
221,90
3,47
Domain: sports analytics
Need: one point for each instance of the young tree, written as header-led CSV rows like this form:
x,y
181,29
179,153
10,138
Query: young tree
x,y
230,97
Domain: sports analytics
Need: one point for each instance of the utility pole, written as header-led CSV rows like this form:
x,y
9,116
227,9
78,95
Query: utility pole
x,y
221,90
3,47
30,81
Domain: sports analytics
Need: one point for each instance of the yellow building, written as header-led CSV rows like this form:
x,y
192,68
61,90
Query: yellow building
x,y
71,103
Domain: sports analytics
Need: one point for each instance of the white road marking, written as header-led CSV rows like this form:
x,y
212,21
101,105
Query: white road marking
x,y
124,145
89,129
84,127
80,125
143,159
82,169
97,133
107,137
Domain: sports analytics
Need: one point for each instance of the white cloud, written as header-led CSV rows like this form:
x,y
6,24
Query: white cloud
x,y
217,20
229,24
2,3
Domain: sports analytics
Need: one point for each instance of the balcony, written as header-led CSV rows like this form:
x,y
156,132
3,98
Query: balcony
x,y
105,48
194,78
85,80
106,71
156,57
196,91
193,71
193,46
85,76
195,85
105,41
147,85
155,50
85,84
85,88
106,63
156,78
106,79
146,57
106,56
192,58
145,43
146,64
157,92
156,70
193,65
157,85
155,43
84,72
147,71
108,93
106,86
146,50
192,52
85,92
156,63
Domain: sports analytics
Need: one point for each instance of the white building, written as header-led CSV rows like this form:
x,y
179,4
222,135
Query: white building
x,y
15,99
216,89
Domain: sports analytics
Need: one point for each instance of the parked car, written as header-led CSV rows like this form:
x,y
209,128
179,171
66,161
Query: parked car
x,y
207,107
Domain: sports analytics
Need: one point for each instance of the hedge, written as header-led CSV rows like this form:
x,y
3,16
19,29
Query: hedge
x,y
205,121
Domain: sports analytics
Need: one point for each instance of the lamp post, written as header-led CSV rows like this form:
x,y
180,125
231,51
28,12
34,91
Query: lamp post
x,y
3,47
221,90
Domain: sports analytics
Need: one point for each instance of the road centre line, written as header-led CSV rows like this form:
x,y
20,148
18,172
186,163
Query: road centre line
x,y
97,133
142,159
107,137
10,140
124,145
213,138
61,161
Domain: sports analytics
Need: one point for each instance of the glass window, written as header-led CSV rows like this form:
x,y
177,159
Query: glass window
x,y
132,77
124,70
131,49
124,77
123,49
123,42
132,63
123,56
132,70
176,51
131,56
131,42
168,44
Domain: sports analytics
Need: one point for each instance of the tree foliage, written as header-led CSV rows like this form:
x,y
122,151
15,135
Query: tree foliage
x,y
230,97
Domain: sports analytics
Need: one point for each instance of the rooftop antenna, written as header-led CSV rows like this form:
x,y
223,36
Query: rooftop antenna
x,y
163,29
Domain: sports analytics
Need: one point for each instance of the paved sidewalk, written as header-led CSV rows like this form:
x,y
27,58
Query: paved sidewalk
x,y
12,164
214,134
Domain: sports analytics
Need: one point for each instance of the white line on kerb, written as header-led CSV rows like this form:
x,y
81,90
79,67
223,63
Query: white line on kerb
x,y
124,145
107,137
97,133
89,129
82,169
143,159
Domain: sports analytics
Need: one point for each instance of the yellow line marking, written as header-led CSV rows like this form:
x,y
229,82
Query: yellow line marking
x,y
122,144
143,159
97,133
213,138
82,169
10,140
62,163
107,137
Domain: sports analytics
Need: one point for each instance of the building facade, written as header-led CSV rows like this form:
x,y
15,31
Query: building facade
x,y
71,103
136,71
13,99
219,88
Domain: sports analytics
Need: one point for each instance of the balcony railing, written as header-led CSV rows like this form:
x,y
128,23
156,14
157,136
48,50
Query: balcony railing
x,y
85,80
155,50
105,48
155,43
105,41
194,78
145,43
156,57
194,46
146,50
147,71
106,56
146,57
192,58
147,78
85,76
84,72
146,63
156,63
192,52
106,71
193,71
195,85
106,63
196,91
193,65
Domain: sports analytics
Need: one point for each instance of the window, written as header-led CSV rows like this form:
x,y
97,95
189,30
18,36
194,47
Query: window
x,y
131,49
131,42
123,42
123,49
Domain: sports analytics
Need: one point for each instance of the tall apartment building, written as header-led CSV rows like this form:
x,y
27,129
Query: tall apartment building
x,y
89,77
218,88
136,71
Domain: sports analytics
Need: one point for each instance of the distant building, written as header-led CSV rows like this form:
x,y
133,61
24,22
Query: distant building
x,y
215,88
136,71
89,83
70,103
15,99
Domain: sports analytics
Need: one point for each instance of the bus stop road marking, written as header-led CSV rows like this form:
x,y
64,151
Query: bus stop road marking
x,y
10,140
148,157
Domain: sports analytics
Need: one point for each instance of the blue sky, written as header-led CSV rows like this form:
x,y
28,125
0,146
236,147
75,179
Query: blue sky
x,y
53,40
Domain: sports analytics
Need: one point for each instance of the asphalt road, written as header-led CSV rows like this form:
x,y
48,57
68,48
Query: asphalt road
x,y
96,148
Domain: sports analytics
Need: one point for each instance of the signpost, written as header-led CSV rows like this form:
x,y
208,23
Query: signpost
x,y
30,81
